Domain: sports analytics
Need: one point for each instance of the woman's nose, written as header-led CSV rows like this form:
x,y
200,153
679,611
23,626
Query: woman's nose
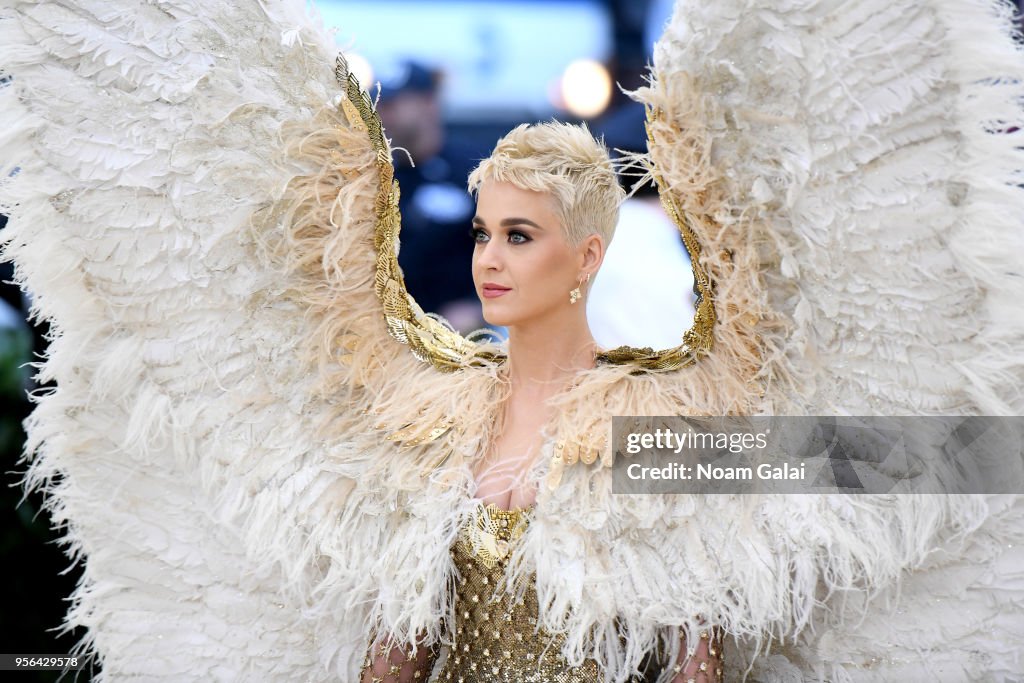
x,y
488,255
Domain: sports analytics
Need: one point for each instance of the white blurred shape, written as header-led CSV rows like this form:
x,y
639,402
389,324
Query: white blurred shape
x,y
586,88
360,68
642,295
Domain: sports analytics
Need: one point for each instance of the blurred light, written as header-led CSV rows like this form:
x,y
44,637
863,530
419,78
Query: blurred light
x,y
586,88
360,68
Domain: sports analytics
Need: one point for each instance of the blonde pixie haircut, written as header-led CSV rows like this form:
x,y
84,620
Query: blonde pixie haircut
x,y
566,162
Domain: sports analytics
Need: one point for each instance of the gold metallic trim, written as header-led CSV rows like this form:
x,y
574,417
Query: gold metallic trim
x,y
415,434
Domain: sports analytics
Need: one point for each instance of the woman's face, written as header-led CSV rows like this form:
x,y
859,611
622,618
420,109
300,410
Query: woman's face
x,y
523,267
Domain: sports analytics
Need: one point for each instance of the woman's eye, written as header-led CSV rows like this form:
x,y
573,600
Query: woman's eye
x,y
517,237
478,235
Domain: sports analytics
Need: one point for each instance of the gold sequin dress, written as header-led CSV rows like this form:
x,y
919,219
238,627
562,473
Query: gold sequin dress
x,y
496,639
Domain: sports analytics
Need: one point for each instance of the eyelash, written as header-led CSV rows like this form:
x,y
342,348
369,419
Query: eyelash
x,y
476,232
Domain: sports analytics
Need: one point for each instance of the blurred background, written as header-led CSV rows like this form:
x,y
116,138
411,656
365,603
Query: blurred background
x,y
454,77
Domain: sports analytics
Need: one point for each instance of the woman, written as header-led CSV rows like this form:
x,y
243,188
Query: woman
x,y
547,205
209,235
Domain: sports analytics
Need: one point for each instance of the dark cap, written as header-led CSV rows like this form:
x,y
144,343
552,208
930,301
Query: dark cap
x,y
408,76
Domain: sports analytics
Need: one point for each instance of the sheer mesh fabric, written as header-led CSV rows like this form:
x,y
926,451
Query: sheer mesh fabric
x,y
387,662
706,664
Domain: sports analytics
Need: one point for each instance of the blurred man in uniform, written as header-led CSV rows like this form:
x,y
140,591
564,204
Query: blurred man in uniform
x,y
436,248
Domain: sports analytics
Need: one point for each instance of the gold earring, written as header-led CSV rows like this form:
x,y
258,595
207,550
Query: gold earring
x,y
575,294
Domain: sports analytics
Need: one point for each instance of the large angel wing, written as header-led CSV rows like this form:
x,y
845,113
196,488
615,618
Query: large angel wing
x,y
870,155
852,171
186,205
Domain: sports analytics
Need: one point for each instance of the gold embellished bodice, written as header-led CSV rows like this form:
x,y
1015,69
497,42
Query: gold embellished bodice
x,y
496,639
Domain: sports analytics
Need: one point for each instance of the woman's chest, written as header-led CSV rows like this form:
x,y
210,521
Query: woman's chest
x,y
501,474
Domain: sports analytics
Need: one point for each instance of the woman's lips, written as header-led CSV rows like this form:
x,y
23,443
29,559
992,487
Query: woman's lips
x,y
493,292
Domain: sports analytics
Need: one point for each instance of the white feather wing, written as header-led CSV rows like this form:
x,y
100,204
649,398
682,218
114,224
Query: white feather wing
x,y
863,159
853,172
180,447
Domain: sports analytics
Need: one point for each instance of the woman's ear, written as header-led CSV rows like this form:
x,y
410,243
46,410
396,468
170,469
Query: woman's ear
x,y
592,251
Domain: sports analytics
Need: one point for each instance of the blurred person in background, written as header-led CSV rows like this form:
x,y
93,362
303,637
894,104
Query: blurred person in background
x,y
436,211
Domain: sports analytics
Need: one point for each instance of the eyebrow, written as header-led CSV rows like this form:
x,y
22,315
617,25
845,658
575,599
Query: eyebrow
x,y
508,222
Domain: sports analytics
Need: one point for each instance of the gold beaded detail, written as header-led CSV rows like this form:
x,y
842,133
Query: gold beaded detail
x,y
496,640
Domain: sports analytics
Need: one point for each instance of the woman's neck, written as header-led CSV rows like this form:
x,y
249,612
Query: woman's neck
x,y
542,358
